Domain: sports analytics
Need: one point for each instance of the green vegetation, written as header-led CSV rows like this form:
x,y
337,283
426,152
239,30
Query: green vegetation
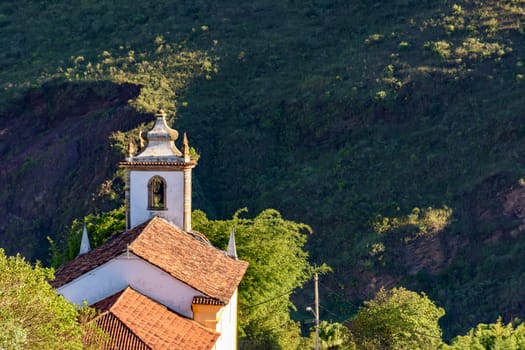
x,y
162,72
278,266
32,314
397,319
495,336
339,114
394,319
427,221
333,336
402,319
100,227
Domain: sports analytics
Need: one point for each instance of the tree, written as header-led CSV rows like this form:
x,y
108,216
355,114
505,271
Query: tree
x,y
333,336
495,336
32,314
397,319
100,227
278,265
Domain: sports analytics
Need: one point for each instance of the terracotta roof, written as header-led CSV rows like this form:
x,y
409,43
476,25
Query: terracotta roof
x,y
132,318
106,304
115,335
190,260
115,246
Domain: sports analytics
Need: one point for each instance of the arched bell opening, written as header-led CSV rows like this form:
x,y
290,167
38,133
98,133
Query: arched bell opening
x,y
157,193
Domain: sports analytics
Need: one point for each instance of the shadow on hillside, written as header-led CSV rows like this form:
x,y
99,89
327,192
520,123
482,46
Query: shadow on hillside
x,y
57,152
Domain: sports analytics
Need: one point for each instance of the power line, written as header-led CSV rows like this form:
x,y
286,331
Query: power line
x,y
268,300
328,310
334,292
343,298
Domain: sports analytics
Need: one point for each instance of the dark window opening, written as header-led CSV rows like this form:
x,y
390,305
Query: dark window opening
x,y
157,193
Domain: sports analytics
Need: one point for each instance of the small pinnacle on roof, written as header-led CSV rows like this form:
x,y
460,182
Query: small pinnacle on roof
x,y
130,149
185,147
232,249
142,142
84,244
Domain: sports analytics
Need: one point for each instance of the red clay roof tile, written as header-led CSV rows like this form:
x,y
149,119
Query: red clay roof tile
x,y
183,256
116,335
151,324
84,263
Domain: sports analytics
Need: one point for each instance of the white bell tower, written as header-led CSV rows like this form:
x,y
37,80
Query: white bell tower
x,y
158,179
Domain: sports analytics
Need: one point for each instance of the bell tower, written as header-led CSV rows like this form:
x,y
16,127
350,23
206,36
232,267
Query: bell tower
x,y
158,178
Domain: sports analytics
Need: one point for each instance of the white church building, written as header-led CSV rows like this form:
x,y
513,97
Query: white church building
x,y
158,284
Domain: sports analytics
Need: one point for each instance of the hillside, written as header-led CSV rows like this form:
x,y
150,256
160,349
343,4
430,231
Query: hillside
x,y
393,128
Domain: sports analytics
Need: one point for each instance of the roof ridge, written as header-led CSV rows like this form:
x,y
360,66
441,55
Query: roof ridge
x,y
115,235
149,223
199,236
63,273
122,292
160,243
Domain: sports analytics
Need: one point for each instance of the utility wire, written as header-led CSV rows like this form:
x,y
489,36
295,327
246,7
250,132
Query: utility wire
x,y
334,292
328,310
268,300
343,298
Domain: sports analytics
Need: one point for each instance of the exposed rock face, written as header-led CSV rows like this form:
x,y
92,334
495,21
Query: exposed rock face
x,y
56,153
405,254
374,282
431,254
514,205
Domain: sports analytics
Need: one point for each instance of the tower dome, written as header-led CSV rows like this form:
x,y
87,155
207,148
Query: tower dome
x,y
158,178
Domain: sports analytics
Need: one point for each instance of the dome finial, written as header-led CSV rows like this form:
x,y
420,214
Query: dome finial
x,y
161,113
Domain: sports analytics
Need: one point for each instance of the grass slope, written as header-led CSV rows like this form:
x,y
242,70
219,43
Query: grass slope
x,y
339,114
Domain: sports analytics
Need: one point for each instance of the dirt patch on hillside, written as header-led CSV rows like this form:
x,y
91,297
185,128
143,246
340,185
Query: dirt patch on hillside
x,y
514,205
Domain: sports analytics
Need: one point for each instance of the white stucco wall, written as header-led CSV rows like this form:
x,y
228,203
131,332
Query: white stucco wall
x,y
227,326
130,270
138,204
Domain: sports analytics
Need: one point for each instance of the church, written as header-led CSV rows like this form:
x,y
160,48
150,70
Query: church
x,y
158,284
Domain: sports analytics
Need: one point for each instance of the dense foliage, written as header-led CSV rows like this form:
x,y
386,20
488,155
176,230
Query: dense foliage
x,y
333,336
495,336
278,265
394,128
402,319
32,314
397,319
100,227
